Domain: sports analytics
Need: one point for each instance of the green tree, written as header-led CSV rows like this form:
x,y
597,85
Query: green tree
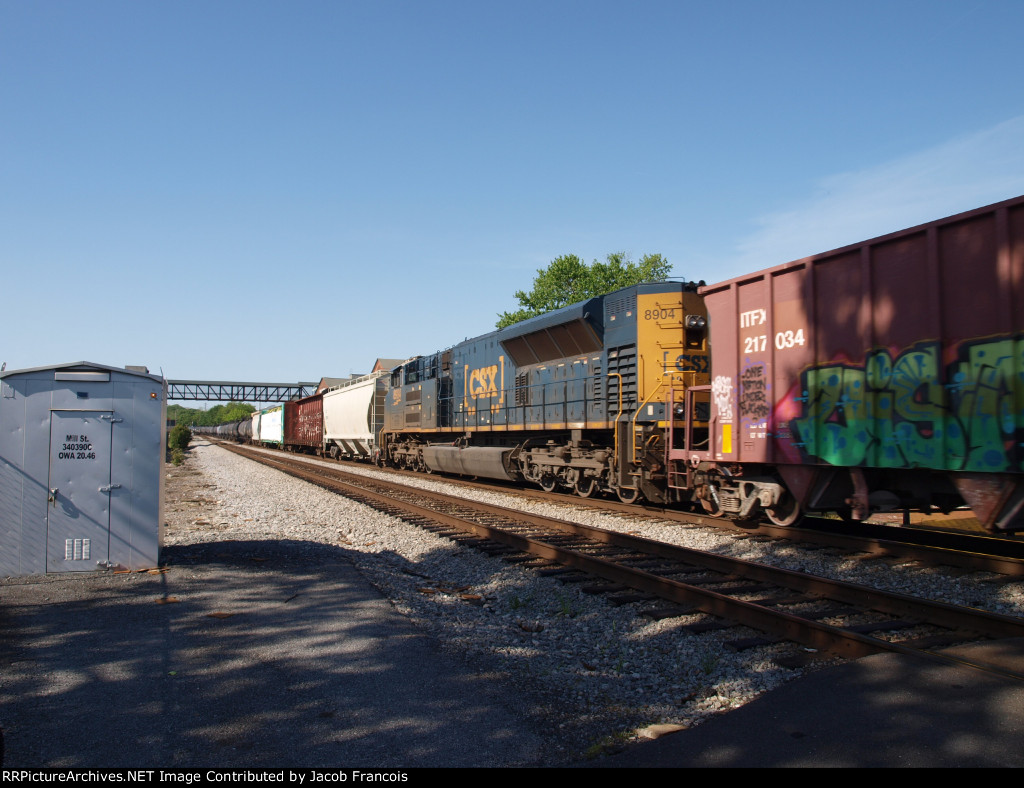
x,y
568,279
236,411
179,437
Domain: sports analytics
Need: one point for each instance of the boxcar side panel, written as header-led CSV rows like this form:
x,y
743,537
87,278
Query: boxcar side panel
x,y
906,351
272,425
303,423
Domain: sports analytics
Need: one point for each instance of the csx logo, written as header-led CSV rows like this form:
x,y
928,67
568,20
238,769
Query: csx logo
x,y
483,382
692,363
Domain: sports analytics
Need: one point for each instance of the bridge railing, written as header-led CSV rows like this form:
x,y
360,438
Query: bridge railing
x,y
225,391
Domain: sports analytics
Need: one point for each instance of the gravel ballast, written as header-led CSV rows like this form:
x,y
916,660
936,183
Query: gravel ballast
x,y
596,674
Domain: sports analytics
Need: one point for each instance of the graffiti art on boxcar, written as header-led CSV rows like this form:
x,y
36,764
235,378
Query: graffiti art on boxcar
x,y
754,404
911,410
754,393
721,390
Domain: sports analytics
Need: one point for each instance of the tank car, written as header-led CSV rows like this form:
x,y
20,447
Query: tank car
x,y
239,431
243,430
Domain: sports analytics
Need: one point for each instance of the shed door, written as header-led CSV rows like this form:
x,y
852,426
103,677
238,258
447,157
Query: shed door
x,y
78,513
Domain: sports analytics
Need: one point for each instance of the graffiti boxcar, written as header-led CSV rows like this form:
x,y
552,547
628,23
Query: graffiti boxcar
x,y
883,374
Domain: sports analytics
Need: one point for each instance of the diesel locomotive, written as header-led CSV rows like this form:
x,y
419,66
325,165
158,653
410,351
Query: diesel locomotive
x,y
582,398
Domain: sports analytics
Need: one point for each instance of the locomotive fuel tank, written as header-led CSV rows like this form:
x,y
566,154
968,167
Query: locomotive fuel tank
x,y
490,462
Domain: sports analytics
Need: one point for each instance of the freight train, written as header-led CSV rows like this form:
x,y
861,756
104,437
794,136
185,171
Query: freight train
x,y
884,375
342,421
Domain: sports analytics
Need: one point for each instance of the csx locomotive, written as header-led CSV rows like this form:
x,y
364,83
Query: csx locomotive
x,y
583,398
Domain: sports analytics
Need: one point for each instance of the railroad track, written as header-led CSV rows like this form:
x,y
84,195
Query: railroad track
x,y
825,615
1002,554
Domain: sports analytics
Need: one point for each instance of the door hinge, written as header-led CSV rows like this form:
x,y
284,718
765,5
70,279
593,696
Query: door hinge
x,y
108,417
109,487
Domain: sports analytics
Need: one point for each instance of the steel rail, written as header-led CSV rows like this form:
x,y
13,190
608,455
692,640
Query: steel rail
x,y
915,548
832,639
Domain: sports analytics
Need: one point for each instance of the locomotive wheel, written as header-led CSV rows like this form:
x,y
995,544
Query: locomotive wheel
x,y
786,513
586,487
627,494
548,482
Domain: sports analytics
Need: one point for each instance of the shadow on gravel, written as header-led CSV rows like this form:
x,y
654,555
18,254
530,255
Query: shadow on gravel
x,y
886,710
240,654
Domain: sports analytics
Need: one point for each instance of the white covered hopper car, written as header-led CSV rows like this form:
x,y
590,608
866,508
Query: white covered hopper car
x,y
354,416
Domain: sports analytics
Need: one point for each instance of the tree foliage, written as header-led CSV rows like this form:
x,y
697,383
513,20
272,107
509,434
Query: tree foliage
x,y
568,279
218,414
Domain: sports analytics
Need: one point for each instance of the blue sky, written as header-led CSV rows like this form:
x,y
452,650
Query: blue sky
x,y
271,191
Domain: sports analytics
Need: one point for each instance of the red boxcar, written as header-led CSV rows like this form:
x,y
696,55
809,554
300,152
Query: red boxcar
x,y
890,372
304,424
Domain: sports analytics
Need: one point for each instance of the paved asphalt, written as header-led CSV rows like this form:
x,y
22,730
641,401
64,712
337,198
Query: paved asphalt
x,y
247,655
238,656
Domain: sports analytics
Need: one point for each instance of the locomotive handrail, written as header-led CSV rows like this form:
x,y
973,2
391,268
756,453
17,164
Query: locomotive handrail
x,y
615,431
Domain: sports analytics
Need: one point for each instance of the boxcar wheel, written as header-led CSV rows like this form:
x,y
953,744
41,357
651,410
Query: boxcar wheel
x,y
627,494
786,513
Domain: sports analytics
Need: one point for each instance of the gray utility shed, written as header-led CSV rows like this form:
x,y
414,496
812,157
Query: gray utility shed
x,y
81,468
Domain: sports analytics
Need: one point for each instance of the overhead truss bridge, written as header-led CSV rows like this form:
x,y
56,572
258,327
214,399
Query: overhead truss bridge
x,y
222,391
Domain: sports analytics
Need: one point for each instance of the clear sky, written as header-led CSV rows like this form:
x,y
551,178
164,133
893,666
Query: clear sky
x,y
279,191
